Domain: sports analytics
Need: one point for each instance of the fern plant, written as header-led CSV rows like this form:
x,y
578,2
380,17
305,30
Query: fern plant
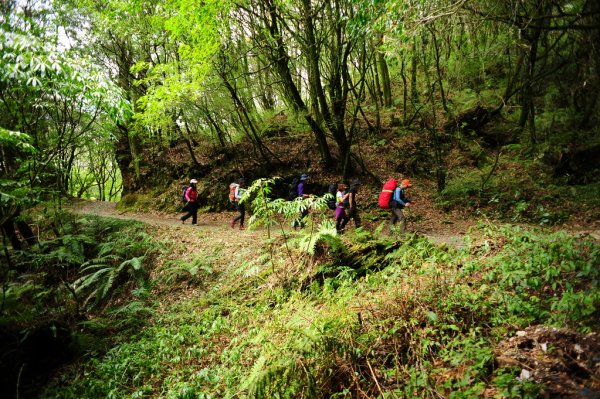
x,y
191,271
120,260
104,275
307,241
270,212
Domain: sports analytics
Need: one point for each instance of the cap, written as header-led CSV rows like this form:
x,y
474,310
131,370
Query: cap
x,y
193,181
241,180
406,183
304,176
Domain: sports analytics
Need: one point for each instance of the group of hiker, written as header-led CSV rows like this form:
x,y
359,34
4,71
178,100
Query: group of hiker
x,y
393,197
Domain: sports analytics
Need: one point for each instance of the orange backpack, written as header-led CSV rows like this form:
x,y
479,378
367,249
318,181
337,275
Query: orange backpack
x,y
232,188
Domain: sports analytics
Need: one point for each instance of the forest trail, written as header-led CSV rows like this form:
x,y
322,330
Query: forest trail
x,y
211,237
215,226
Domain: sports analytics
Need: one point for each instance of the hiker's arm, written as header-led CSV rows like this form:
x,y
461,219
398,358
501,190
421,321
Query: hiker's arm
x,y
302,193
407,202
398,198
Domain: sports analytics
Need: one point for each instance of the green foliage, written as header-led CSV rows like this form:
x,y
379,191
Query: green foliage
x,y
17,141
531,264
191,271
408,318
172,84
34,63
370,315
54,96
308,240
269,212
120,259
117,249
512,387
518,191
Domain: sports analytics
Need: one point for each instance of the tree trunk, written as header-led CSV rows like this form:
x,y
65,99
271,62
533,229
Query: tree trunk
x,y
386,84
242,112
281,60
404,89
438,68
8,229
413,73
123,155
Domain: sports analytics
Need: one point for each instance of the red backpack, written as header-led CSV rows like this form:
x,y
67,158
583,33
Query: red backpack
x,y
386,193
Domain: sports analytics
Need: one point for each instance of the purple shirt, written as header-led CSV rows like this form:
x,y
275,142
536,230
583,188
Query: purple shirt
x,y
300,189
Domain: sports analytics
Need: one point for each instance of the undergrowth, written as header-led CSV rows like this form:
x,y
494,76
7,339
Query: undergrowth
x,y
357,316
518,191
85,283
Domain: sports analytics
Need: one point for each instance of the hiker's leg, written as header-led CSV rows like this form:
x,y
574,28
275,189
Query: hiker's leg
x,y
402,220
396,216
242,209
239,217
346,219
351,215
338,218
194,213
303,218
393,219
187,215
357,220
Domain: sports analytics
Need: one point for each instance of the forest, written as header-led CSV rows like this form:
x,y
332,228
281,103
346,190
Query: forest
x,y
485,113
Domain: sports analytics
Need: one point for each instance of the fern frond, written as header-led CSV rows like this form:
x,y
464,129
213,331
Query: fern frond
x,y
84,282
308,241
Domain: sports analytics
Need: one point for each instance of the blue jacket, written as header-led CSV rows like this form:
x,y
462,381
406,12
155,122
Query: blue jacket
x,y
399,197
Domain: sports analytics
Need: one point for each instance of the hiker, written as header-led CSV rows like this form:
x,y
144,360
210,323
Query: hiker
x,y
301,193
340,212
191,205
241,207
350,204
398,202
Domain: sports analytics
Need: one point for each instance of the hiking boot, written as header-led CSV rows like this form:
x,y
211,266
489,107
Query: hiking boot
x,y
232,224
242,228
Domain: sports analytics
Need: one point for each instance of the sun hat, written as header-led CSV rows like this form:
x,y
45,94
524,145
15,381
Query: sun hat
x,y
304,176
193,181
406,183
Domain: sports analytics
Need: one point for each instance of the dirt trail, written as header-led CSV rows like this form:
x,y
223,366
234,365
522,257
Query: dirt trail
x,y
191,240
109,209
216,225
